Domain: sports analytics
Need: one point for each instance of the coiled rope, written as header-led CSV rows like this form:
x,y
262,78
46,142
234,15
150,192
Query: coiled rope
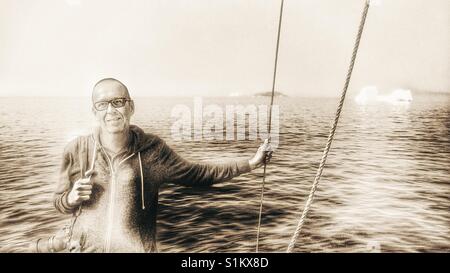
x,y
270,123
332,132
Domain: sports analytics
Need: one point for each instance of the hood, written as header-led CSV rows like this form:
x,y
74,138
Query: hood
x,y
142,141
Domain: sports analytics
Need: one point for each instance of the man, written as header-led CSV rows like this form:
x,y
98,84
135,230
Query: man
x,y
112,177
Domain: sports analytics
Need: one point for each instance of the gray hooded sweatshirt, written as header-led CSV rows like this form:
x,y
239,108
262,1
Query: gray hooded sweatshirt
x,y
121,213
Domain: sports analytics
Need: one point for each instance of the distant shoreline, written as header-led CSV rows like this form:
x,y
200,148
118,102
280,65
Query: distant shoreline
x,y
269,94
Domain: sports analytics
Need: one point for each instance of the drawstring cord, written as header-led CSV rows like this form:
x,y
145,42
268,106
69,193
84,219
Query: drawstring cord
x,y
142,181
94,154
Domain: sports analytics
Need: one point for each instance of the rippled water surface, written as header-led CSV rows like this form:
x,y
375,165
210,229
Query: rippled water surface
x,y
386,184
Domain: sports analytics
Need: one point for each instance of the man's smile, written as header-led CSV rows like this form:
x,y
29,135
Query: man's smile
x,y
113,119
115,123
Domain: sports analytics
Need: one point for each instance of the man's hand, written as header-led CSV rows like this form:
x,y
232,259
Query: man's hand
x,y
264,154
81,191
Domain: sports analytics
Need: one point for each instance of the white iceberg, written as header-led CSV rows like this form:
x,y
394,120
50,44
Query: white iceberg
x,y
367,94
400,95
370,94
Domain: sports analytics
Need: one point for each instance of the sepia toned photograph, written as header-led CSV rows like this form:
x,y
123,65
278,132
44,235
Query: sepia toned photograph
x,y
224,126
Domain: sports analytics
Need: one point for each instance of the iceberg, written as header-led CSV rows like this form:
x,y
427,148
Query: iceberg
x,y
367,94
400,95
370,94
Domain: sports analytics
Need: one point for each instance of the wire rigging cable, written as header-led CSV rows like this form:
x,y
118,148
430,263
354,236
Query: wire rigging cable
x,y
270,123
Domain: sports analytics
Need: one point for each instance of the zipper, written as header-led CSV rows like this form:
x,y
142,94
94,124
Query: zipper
x,y
110,217
111,205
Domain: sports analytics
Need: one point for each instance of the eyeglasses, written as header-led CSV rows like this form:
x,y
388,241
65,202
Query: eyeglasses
x,y
116,103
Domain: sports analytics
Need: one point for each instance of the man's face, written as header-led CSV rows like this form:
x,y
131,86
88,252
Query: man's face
x,y
112,107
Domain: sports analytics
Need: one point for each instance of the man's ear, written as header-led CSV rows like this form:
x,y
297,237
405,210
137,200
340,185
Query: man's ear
x,y
132,107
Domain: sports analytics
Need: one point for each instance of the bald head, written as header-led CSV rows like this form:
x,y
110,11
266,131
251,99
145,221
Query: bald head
x,y
115,117
109,87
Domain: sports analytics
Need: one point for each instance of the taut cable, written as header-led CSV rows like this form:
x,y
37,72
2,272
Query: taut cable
x,y
270,123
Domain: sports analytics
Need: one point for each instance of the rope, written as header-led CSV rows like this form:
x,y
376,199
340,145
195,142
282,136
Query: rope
x,y
270,123
332,132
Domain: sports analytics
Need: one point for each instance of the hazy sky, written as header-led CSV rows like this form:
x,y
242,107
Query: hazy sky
x,y
217,47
